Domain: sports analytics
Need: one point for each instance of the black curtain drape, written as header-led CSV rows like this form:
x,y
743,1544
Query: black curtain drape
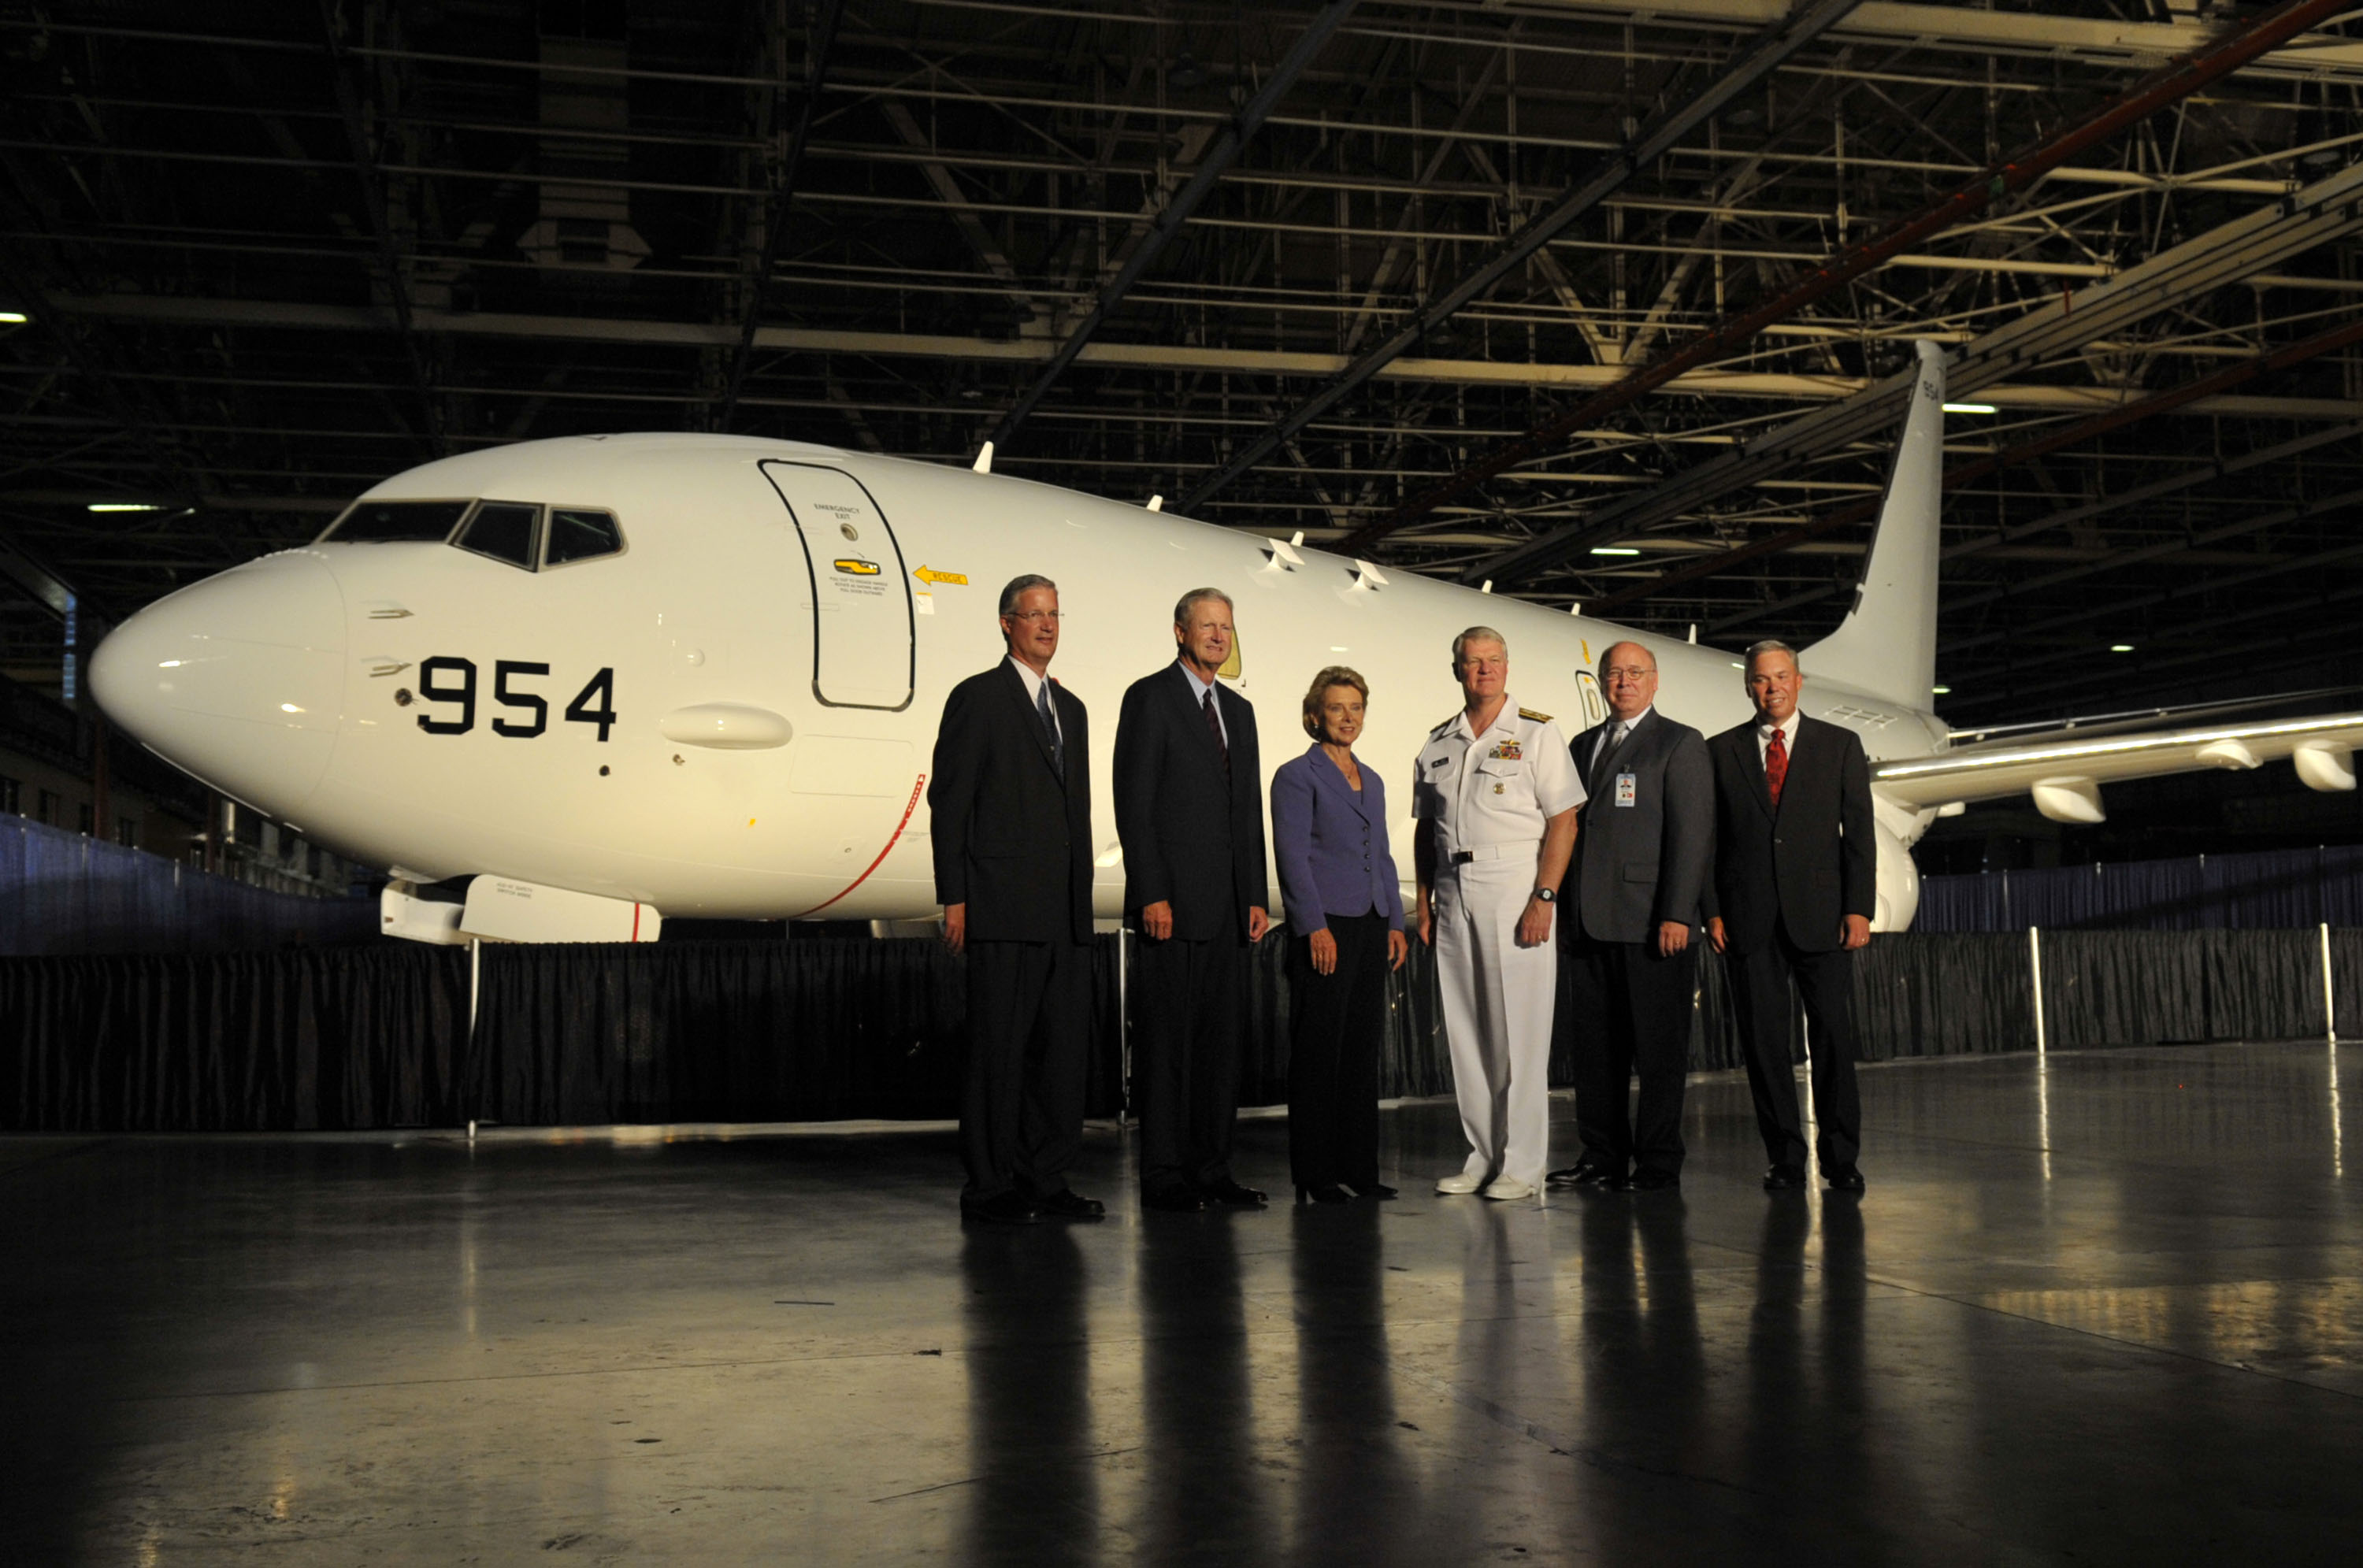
x,y
349,1037
1943,995
820,1028
2347,980
2268,890
805,1030
2128,987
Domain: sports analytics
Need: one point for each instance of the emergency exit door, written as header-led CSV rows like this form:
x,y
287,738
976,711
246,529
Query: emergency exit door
x,y
864,655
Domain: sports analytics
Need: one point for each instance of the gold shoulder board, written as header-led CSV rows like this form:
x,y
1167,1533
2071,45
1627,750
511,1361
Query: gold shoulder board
x,y
1529,714
1442,727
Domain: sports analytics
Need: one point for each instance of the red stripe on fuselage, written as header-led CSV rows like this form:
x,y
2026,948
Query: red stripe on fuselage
x,y
894,838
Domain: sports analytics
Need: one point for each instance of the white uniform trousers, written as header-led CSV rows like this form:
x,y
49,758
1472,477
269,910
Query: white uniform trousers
x,y
1498,999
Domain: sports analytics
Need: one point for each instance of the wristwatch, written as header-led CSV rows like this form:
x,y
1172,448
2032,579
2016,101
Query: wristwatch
x,y
1548,895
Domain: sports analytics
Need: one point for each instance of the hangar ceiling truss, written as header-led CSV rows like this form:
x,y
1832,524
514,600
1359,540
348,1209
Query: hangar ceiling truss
x,y
1301,263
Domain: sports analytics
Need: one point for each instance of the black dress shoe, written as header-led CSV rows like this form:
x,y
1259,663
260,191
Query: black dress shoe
x,y
1173,1200
1068,1204
1844,1178
1647,1180
1231,1195
1378,1191
1783,1178
1012,1207
1323,1192
1584,1173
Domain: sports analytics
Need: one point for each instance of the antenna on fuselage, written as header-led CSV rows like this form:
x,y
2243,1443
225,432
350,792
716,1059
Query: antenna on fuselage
x,y
1157,503
983,463
1694,634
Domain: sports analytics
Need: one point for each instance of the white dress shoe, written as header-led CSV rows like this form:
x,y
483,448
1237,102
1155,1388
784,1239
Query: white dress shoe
x,y
1461,1181
1507,1189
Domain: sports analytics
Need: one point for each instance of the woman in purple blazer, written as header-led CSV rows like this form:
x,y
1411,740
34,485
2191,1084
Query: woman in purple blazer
x,y
1346,931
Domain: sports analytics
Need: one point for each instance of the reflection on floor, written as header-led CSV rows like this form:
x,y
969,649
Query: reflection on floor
x,y
2110,1310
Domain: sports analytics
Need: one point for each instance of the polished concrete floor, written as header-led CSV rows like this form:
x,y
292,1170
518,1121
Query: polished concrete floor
x,y
2107,1308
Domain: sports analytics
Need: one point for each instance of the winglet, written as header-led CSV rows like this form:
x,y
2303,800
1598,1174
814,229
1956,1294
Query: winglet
x,y
983,463
1887,644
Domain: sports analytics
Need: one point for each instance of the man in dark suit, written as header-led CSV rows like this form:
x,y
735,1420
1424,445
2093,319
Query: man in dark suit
x,y
1010,803
1795,877
1189,809
1645,837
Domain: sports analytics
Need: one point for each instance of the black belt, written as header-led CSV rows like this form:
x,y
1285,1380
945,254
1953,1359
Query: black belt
x,y
1492,851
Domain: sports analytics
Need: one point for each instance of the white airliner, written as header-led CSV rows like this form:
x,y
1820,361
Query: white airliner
x,y
612,678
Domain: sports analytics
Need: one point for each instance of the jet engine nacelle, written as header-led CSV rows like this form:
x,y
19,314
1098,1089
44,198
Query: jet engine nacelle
x,y
1896,828
1899,884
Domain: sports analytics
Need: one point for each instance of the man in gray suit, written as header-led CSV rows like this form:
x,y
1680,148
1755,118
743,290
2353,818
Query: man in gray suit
x,y
1641,857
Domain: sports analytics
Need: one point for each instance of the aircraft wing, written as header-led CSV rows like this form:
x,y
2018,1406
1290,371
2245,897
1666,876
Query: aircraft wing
x,y
2064,772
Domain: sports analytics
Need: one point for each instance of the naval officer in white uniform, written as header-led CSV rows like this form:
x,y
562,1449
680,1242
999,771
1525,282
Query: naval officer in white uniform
x,y
1496,796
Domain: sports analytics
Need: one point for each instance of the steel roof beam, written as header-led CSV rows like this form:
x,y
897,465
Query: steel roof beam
x,y
1784,37
2205,473
2150,407
1224,150
2123,675
1771,385
364,164
782,199
962,210
2034,33
2324,211
44,587
2323,506
2173,82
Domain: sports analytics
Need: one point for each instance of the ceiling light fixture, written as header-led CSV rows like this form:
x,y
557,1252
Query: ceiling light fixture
x,y
1614,550
125,506
2120,647
1971,408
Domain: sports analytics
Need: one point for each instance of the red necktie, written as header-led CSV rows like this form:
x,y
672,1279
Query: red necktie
x,y
1776,767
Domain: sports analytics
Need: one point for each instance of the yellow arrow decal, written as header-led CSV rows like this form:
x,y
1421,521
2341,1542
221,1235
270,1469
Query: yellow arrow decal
x,y
930,574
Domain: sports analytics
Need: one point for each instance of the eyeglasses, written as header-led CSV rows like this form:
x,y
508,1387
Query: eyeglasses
x,y
1031,616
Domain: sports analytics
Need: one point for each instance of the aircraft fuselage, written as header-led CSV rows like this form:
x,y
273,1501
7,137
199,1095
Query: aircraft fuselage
x,y
734,715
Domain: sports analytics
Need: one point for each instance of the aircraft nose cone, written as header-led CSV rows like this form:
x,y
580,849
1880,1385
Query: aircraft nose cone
x,y
238,679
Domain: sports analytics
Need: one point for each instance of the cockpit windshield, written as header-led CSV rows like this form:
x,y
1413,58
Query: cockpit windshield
x,y
395,522
576,535
511,531
503,530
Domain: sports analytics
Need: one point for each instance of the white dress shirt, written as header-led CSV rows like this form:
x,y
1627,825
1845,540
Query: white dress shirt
x,y
1034,684
1617,730
1204,686
1788,737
